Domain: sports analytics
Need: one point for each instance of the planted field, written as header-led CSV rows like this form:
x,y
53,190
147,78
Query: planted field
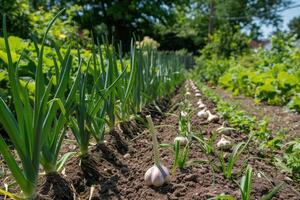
x,y
86,116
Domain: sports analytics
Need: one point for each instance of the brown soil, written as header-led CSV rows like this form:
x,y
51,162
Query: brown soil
x,y
115,169
54,186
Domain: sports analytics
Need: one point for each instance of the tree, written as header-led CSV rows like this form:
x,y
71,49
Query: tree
x,y
294,26
17,12
193,21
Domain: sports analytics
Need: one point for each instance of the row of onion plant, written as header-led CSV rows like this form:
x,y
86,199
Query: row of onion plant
x,y
88,97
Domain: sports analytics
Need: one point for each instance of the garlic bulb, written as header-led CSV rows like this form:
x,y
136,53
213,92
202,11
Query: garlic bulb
x,y
202,105
203,114
211,117
182,140
198,94
188,93
225,130
183,113
157,175
199,102
224,143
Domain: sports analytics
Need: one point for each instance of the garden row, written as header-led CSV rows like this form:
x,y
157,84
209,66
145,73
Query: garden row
x,y
271,76
87,94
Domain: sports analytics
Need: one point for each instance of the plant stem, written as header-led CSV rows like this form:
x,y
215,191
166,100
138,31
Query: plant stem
x,y
154,140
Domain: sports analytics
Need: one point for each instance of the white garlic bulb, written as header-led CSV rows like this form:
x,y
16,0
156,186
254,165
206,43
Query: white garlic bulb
x,y
203,114
182,140
223,143
183,113
199,102
157,175
211,117
201,106
198,94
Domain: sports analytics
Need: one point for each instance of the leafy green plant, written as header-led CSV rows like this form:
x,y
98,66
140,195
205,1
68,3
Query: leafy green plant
x,y
290,161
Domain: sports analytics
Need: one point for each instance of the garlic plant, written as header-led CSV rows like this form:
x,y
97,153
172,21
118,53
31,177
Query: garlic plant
x,y
224,143
184,127
211,117
157,175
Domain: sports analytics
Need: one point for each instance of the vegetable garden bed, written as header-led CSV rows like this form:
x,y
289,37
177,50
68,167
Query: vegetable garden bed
x,y
115,169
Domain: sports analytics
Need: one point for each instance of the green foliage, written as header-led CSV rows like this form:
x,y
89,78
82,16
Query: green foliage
x,y
226,42
65,30
227,167
290,162
246,184
17,12
28,123
294,26
181,155
268,75
220,53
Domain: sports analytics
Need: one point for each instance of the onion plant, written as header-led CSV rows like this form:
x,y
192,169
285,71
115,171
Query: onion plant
x,y
26,125
55,132
93,100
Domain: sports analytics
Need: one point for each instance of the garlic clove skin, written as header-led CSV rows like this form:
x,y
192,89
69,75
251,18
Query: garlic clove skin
x,y
211,117
203,114
224,143
182,140
157,175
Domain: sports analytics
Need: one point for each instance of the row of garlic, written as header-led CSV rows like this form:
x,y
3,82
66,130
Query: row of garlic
x,y
224,142
158,174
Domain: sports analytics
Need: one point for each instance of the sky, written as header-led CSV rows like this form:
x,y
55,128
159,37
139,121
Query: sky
x,y
287,15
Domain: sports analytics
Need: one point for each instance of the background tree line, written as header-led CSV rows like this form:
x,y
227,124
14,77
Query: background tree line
x,y
176,24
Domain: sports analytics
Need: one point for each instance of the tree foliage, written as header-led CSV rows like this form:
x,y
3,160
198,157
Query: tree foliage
x,y
294,26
